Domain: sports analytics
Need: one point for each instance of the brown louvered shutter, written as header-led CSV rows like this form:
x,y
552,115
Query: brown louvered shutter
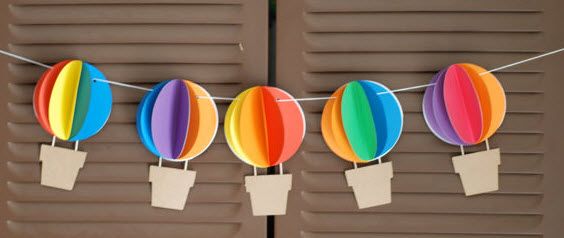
x,y
141,42
321,44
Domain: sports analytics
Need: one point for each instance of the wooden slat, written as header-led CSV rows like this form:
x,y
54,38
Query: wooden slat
x,y
131,14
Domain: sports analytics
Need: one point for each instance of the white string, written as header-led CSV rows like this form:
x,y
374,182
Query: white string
x,y
523,61
462,149
76,146
487,145
216,98
303,99
186,165
255,170
160,161
431,84
295,99
281,168
406,89
355,165
24,59
123,84
53,141
49,67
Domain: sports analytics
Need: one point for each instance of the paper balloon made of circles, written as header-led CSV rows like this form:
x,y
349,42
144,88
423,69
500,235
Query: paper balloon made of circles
x,y
177,120
260,130
362,122
465,106
69,103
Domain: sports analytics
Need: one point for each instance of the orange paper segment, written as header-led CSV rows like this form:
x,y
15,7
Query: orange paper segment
x,y
292,124
203,121
491,96
462,105
332,127
252,133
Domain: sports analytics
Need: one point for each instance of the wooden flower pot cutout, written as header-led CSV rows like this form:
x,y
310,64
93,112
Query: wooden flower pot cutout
x,y
371,184
176,121
70,104
170,186
269,193
478,171
60,166
263,131
361,123
465,106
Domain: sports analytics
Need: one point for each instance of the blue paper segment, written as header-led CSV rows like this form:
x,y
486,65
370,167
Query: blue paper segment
x,y
387,113
99,106
144,113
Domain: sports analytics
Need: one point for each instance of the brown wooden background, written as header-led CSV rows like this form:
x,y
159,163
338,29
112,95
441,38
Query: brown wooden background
x,y
323,44
320,44
134,41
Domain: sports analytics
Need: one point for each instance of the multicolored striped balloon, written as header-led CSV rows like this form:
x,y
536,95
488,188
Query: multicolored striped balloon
x,y
465,106
177,120
262,131
362,122
69,103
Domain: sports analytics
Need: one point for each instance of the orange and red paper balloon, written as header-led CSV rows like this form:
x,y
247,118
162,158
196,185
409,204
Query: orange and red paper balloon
x,y
69,103
262,131
465,106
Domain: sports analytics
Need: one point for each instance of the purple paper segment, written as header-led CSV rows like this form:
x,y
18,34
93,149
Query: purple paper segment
x,y
441,123
170,119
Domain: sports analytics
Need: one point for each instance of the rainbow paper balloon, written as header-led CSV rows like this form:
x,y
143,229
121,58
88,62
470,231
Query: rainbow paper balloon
x,y
177,120
260,130
69,103
362,122
465,106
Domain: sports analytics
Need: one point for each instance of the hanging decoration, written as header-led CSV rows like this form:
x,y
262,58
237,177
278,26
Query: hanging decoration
x,y
176,121
263,132
70,105
465,106
361,123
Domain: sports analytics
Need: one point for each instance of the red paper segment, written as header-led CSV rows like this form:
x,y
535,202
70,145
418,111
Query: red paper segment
x,y
463,105
292,123
273,124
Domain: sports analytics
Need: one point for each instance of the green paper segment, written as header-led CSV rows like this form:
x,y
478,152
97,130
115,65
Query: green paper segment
x,y
82,101
358,122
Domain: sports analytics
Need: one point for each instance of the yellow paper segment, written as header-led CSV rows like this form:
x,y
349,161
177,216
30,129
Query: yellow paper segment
x,y
63,99
231,126
252,133
491,96
332,128
203,122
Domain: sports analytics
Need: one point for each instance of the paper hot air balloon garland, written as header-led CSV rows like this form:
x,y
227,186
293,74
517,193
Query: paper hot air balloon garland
x,y
175,123
263,132
465,106
70,105
361,123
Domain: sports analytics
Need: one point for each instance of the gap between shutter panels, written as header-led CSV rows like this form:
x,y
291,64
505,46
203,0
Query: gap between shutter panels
x,y
401,44
112,194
